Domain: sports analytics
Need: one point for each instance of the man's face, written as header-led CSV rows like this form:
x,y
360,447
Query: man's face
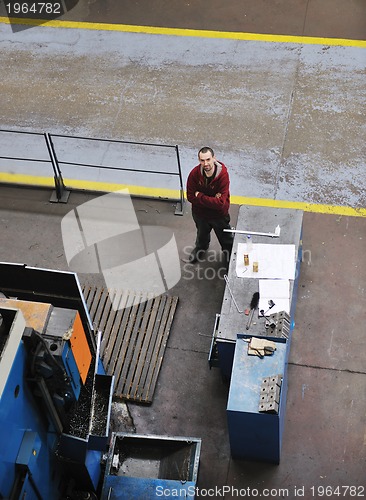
x,y
207,162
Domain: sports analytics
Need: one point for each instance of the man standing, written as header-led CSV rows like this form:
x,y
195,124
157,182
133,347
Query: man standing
x,y
208,191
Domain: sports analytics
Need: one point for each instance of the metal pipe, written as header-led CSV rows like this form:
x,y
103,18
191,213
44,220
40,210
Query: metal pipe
x,y
110,140
117,168
231,293
23,159
276,234
181,210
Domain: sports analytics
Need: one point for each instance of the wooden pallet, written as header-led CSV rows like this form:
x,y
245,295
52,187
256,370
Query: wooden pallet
x,y
133,338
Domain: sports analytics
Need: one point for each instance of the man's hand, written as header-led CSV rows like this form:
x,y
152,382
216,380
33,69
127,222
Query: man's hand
x,y
217,195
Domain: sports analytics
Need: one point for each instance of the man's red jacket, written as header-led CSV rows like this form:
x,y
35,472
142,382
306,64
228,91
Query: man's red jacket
x,y
205,205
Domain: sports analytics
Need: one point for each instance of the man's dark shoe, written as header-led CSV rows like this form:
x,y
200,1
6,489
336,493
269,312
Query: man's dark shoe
x,y
196,255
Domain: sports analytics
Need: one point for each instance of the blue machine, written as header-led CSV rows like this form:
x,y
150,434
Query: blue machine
x,y
50,377
140,467
27,441
55,404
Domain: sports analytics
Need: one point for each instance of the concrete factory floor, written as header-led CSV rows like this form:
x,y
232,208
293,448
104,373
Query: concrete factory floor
x,y
285,113
324,440
311,18
289,123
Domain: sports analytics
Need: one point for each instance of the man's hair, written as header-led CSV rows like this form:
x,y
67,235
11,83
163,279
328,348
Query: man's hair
x,y
206,149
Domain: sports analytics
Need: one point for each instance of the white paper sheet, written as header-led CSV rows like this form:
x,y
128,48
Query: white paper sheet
x,y
274,261
276,290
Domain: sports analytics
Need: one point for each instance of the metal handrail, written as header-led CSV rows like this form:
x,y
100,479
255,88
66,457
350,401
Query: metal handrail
x,y
61,193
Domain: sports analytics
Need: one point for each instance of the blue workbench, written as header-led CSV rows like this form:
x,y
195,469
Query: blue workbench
x,y
255,435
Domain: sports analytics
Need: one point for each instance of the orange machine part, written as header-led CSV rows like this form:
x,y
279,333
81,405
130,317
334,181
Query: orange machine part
x,y
80,348
36,314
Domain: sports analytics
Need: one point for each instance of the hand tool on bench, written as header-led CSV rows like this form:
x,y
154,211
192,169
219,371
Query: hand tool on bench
x,y
270,304
253,306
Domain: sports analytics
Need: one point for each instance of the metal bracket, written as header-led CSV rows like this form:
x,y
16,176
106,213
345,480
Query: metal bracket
x,y
213,357
276,233
179,208
270,392
60,194
278,325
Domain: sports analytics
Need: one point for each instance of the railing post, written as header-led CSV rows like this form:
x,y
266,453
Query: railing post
x,y
61,194
180,204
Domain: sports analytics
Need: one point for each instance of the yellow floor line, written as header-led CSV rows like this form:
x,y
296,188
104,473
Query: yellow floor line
x,y
105,187
300,205
174,194
151,30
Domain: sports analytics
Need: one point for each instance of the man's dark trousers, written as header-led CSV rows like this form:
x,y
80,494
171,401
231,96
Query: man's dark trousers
x,y
204,228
